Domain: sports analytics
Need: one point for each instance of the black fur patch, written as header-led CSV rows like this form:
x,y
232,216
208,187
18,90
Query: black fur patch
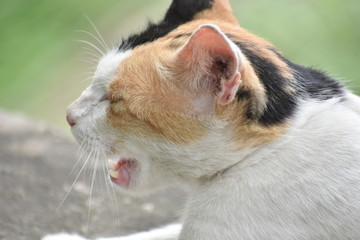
x,y
243,94
179,12
280,103
313,83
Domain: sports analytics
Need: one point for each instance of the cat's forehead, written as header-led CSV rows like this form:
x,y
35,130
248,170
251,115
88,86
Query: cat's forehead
x,y
108,65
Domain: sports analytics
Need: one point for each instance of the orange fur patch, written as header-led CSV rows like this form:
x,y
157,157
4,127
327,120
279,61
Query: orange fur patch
x,y
148,98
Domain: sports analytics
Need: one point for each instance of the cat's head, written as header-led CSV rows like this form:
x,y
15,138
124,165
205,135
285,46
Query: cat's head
x,y
180,101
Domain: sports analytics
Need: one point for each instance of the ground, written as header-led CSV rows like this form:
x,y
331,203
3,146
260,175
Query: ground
x,y
35,166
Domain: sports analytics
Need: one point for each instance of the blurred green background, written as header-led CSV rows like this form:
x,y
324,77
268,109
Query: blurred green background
x,y
43,67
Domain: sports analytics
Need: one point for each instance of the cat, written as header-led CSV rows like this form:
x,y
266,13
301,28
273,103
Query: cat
x,y
270,148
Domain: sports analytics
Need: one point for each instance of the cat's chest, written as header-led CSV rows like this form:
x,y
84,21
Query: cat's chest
x,y
231,210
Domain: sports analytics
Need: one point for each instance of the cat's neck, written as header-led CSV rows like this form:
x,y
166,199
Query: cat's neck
x,y
308,138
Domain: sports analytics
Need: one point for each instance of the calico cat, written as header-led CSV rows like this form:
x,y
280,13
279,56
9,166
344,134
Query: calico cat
x,y
270,148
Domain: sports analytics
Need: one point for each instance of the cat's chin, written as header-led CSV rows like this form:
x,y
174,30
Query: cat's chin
x,y
122,171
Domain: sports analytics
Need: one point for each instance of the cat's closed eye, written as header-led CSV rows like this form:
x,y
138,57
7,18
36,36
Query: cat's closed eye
x,y
116,100
115,97
117,103
105,97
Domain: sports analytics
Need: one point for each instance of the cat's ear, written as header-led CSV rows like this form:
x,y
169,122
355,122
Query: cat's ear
x,y
181,11
220,10
212,62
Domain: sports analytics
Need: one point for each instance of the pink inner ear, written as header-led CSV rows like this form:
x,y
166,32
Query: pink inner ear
x,y
211,54
209,40
229,89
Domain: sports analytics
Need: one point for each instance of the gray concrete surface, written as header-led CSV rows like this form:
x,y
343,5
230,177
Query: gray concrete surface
x,y
35,163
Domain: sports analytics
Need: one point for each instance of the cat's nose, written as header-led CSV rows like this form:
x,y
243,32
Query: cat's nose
x,y
69,117
70,120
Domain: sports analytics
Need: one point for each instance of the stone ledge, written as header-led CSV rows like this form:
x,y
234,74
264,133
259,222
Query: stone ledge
x,y
35,162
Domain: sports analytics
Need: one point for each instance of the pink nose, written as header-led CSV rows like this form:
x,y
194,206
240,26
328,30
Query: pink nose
x,y
70,120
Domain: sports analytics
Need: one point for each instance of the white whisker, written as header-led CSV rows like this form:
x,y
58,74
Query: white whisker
x,y
72,185
98,33
81,152
91,52
81,149
92,45
88,167
87,79
102,43
88,61
117,216
95,166
91,73
113,202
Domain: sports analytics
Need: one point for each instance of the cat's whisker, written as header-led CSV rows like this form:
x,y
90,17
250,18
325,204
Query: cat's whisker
x,y
73,184
129,44
87,79
90,49
90,75
92,53
91,60
111,192
87,61
88,167
93,177
85,165
81,152
92,45
101,169
98,33
104,171
81,147
102,43
115,201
